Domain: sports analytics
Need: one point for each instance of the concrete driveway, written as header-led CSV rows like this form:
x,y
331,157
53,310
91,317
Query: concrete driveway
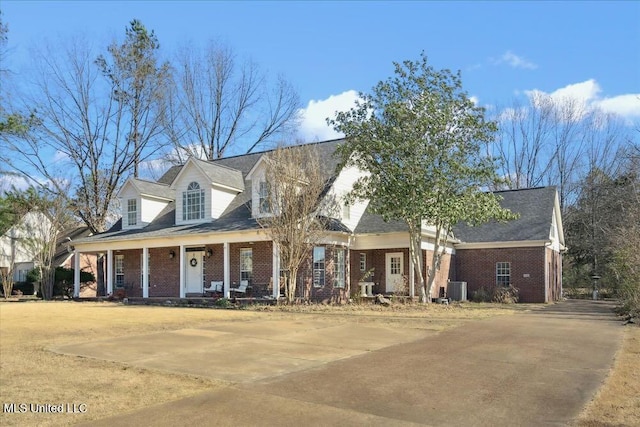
x,y
533,368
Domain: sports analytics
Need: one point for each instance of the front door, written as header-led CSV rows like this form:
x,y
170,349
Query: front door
x,y
395,270
193,274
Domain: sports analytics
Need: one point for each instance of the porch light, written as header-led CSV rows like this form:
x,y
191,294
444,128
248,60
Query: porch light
x,y
172,253
209,252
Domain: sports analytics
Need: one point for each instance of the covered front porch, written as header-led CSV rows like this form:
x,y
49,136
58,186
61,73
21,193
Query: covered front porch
x,y
157,268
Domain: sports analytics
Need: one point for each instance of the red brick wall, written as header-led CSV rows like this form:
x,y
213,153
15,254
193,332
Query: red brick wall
x,y
326,293
262,254
377,259
164,272
477,267
214,264
131,271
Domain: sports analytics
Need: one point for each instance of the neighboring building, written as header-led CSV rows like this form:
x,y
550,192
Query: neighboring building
x,y
21,243
197,224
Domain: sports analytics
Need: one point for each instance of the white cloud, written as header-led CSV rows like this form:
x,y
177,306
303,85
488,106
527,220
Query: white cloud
x,y
515,61
624,105
586,96
313,125
8,182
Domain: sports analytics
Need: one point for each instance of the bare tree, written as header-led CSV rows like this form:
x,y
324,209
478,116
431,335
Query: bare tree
x,y
219,103
294,208
82,130
35,236
556,142
139,86
523,143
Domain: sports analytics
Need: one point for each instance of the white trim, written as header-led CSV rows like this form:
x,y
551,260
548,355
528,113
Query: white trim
x,y
109,268
546,277
412,275
227,269
182,271
275,277
145,272
76,274
195,161
500,245
430,246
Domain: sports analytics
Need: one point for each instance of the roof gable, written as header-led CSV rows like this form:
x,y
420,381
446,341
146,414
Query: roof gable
x,y
535,207
216,174
148,189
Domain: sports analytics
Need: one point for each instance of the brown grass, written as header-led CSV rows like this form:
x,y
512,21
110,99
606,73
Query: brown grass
x,y
30,373
617,403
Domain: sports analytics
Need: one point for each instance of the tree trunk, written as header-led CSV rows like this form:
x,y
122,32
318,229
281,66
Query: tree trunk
x,y
415,252
291,286
435,260
100,282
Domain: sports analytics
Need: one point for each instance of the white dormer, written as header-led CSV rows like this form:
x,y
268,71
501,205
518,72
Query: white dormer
x,y
141,201
204,190
259,189
348,213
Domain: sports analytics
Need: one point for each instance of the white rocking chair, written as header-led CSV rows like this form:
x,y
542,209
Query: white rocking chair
x,y
242,289
216,287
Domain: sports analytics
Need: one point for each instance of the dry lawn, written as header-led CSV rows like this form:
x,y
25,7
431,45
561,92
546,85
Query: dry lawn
x,y
30,373
618,401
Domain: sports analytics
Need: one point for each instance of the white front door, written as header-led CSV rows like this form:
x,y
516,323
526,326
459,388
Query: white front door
x,y
395,270
193,274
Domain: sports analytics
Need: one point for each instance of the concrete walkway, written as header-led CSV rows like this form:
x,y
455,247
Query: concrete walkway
x,y
533,368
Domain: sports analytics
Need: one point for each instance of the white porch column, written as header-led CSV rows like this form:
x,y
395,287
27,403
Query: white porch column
x,y
227,269
412,274
76,274
276,271
182,284
145,272
109,268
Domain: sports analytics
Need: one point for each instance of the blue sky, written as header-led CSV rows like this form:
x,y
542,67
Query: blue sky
x,y
330,50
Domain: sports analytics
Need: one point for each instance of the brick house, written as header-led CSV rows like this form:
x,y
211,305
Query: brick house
x,y
526,252
197,225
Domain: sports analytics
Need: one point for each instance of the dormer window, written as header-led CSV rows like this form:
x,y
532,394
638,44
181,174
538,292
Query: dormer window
x,y
193,202
132,212
263,198
346,211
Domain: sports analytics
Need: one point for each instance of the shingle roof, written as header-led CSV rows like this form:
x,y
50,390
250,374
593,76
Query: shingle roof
x,y
62,253
535,207
153,188
373,223
236,217
220,174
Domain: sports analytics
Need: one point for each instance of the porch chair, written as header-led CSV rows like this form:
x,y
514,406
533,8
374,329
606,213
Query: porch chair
x,y
242,289
215,287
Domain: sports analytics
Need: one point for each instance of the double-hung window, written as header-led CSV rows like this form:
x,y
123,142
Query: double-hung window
x,y
318,266
263,198
363,262
132,211
503,273
119,270
340,271
193,202
246,264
